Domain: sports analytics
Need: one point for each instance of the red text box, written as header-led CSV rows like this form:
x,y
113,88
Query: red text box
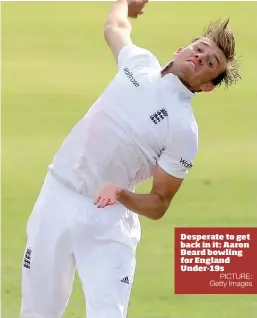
x,y
216,260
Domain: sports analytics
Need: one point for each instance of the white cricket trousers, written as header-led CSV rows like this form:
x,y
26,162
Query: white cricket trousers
x,y
66,232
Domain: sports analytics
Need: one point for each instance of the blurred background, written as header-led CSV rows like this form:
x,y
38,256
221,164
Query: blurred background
x,y
55,63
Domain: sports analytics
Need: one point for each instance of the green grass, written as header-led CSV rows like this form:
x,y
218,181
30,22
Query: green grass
x,y
55,64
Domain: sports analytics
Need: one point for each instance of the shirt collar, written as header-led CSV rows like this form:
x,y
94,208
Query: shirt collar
x,y
175,81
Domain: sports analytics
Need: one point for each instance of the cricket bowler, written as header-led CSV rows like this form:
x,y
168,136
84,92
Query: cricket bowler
x,y
141,127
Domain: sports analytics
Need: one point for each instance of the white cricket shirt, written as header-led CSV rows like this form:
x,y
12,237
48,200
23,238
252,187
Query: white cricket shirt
x,y
139,120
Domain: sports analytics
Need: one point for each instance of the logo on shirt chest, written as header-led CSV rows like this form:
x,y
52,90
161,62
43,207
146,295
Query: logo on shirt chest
x,y
158,116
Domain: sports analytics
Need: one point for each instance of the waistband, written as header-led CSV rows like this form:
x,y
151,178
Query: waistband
x,y
67,186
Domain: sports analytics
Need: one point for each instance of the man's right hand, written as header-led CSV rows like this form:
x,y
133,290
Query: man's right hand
x,y
136,7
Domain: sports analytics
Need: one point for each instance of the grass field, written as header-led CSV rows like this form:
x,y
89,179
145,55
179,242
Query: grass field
x,y
55,64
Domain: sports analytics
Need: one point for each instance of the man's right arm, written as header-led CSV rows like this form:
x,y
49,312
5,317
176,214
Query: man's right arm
x,y
117,28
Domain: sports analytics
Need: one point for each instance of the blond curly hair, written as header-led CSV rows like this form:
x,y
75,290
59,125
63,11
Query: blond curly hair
x,y
220,33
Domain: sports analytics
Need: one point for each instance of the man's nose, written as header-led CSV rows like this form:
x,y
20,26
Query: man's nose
x,y
200,58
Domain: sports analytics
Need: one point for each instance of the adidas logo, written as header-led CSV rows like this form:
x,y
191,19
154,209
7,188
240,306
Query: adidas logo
x,y
125,280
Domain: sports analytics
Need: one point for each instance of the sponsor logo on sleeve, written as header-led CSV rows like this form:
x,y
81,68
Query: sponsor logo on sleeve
x,y
186,164
130,76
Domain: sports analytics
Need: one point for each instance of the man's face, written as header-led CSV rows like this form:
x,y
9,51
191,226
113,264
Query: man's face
x,y
199,63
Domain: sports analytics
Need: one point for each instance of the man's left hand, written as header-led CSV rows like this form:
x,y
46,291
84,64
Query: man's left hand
x,y
108,195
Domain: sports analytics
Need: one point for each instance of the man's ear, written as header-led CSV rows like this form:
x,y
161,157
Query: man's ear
x,y
207,87
178,51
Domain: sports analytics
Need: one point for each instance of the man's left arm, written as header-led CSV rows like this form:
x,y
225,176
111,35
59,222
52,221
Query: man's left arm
x,y
156,203
169,173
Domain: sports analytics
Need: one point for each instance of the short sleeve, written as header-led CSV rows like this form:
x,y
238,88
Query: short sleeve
x,y
177,158
135,57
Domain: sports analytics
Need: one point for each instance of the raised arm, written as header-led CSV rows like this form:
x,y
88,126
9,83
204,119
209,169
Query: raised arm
x,y
117,28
